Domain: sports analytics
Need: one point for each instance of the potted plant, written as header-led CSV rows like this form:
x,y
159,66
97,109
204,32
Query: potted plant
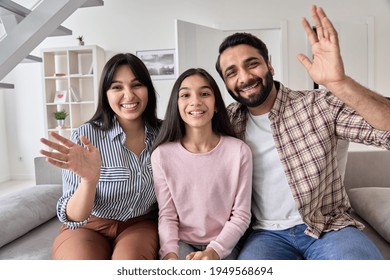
x,y
60,116
81,40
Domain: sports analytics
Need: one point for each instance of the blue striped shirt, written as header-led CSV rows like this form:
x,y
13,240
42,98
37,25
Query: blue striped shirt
x,y
125,189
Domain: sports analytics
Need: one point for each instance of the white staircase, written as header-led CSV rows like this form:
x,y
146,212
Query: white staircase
x,y
25,29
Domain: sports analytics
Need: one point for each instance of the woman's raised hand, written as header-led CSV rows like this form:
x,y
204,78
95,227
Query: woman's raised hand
x,y
84,160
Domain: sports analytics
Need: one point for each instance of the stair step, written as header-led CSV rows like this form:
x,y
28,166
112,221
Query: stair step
x,y
5,85
93,3
31,58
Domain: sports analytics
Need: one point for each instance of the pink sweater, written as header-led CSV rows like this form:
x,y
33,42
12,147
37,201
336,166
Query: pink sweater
x,y
203,198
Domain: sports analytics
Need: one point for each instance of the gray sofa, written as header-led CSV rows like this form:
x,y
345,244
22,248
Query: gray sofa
x,y
367,180
28,222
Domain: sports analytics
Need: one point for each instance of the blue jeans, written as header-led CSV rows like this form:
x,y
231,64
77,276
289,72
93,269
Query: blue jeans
x,y
348,243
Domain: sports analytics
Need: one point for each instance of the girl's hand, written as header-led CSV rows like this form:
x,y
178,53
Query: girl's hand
x,y
208,254
171,257
84,161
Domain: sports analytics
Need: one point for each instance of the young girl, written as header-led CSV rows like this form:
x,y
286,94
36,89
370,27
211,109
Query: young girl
x,y
202,174
108,206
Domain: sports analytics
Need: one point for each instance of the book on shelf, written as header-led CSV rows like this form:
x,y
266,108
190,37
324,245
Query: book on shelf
x,y
75,94
90,71
60,96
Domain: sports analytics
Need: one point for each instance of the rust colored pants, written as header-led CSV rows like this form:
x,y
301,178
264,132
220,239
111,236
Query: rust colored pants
x,y
104,239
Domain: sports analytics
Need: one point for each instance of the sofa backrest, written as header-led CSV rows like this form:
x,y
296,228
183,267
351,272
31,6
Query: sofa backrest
x,y
368,169
46,173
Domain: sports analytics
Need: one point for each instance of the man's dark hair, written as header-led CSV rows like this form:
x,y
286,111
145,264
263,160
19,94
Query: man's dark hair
x,y
241,38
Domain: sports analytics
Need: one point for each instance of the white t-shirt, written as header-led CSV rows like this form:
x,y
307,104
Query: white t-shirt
x,y
273,205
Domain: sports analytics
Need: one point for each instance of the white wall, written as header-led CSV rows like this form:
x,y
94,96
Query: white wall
x,y
4,166
132,25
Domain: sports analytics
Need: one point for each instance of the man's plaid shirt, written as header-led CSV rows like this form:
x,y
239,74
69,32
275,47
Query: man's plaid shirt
x,y
305,126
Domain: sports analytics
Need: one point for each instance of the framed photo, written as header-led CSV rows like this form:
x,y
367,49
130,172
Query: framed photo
x,y
160,63
60,96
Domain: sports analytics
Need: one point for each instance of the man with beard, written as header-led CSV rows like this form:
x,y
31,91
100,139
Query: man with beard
x,y
299,205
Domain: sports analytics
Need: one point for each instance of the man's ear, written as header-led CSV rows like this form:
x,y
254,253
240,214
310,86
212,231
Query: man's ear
x,y
270,68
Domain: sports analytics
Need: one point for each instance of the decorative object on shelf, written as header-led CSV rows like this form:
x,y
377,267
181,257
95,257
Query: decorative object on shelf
x,y
81,40
60,116
161,64
80,102
60,96
75,94
59,74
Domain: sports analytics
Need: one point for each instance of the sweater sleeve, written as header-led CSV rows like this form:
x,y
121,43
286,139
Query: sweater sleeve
x,y
168,223
240,217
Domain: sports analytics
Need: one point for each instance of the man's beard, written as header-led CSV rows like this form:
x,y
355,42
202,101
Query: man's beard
x,y
258,98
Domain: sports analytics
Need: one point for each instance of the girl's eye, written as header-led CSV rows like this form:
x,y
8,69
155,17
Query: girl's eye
x,y
184,95
205,94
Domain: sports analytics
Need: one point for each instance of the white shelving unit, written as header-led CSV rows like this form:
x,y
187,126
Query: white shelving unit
x,y
68,69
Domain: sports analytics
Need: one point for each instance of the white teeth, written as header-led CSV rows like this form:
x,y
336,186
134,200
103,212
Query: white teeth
x,y
196,112
249,88
129,106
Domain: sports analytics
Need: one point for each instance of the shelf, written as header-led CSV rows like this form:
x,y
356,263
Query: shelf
x,y
76,86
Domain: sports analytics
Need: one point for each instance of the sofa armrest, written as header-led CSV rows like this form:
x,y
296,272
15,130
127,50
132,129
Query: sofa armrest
x,y
45,173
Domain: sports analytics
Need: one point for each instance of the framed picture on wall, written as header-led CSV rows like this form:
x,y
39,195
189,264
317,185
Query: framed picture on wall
x,y
161,64
60,96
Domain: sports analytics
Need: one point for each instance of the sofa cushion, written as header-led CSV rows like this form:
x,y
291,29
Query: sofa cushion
x,y
373,205
25,209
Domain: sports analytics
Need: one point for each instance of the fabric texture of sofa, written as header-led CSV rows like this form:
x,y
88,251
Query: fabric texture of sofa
x,y
367,180
28,222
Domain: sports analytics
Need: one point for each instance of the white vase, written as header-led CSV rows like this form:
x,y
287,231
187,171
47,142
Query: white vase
x,y
60,123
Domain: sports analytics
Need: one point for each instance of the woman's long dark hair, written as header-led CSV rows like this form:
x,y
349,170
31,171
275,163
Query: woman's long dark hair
x,y
173,128
103,117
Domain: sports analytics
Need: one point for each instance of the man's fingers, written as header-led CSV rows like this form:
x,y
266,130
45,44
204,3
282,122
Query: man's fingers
x,y
312,36
305,61
317,21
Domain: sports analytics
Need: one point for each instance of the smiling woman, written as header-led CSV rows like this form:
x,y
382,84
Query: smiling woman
x,y
107,162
